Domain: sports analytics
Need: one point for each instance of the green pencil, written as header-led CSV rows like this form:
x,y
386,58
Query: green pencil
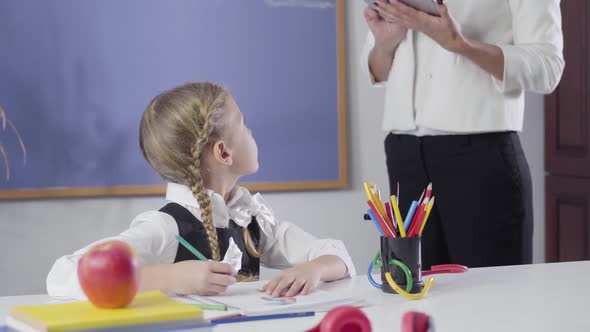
x,y
211,307
190,248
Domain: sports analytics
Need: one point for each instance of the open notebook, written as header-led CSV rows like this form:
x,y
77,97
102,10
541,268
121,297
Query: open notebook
x,y
246,299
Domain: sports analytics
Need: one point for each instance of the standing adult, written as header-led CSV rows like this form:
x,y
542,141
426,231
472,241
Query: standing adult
x,y
454,104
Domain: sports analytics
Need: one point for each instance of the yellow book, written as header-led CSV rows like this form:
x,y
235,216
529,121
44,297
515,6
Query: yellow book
x,y
153,308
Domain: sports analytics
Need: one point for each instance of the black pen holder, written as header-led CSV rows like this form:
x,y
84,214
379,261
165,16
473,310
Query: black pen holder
x,y
407,251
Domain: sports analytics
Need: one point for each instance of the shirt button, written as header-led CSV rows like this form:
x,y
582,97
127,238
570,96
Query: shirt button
x,y
429,75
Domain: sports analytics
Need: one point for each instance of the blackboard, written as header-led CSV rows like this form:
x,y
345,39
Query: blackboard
x,y
75,77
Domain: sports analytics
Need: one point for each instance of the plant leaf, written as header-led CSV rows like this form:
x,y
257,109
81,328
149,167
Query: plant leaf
x,y
3,118
20,141
3,153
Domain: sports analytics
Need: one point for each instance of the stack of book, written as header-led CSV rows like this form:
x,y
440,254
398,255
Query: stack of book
x,y
149,311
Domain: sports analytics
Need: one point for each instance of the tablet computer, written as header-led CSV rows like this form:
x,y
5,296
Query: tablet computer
x,y
427,6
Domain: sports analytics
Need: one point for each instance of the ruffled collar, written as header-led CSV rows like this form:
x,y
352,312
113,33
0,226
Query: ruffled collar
x,y
241,207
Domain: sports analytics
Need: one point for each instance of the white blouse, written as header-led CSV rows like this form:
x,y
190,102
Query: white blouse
x,y
433,91
152,235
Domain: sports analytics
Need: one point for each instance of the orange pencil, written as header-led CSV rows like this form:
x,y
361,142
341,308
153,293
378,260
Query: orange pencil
x,y
381,208
374,197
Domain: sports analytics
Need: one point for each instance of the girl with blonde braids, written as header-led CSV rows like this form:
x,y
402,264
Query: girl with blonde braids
x,y
196,138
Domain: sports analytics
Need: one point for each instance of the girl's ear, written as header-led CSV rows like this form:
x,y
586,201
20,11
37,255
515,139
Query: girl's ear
x,y
222,153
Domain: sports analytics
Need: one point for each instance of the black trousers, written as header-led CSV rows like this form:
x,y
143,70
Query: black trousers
x,y
482,214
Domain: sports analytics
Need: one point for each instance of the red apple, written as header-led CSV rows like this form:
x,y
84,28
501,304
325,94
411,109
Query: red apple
x,y
109,274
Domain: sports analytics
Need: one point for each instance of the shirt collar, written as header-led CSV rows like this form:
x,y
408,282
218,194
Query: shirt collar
x,y
240,208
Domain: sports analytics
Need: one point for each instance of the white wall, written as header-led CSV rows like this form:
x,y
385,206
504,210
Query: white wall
x,y
533,142
34,233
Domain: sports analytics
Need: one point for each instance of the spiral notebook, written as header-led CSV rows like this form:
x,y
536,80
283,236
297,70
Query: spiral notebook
x,y
247,299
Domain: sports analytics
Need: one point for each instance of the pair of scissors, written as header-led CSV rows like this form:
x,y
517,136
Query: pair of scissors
x,y
435,269
444,269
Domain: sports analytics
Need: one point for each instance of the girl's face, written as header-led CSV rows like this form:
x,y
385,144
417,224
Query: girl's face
x,y
241,145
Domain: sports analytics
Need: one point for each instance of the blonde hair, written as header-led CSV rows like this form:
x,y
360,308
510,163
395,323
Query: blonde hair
x,y
175,129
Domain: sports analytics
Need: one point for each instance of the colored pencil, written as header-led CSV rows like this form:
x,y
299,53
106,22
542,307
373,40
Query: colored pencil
x,y
426,216
190,248
398,216
375,221
388,232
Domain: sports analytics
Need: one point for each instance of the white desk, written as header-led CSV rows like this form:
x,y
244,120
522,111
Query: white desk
x,y
544,297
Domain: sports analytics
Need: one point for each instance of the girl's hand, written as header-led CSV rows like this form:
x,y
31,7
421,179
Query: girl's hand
x,y
202,278
301,279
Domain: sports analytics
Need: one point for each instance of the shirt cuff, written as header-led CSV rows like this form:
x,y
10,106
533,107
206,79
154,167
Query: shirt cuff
x,y
62,281
336,248
500,85
373,81
512,60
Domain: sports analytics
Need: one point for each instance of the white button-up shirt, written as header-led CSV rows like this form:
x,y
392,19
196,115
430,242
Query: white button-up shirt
x,y
431,90
152,235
